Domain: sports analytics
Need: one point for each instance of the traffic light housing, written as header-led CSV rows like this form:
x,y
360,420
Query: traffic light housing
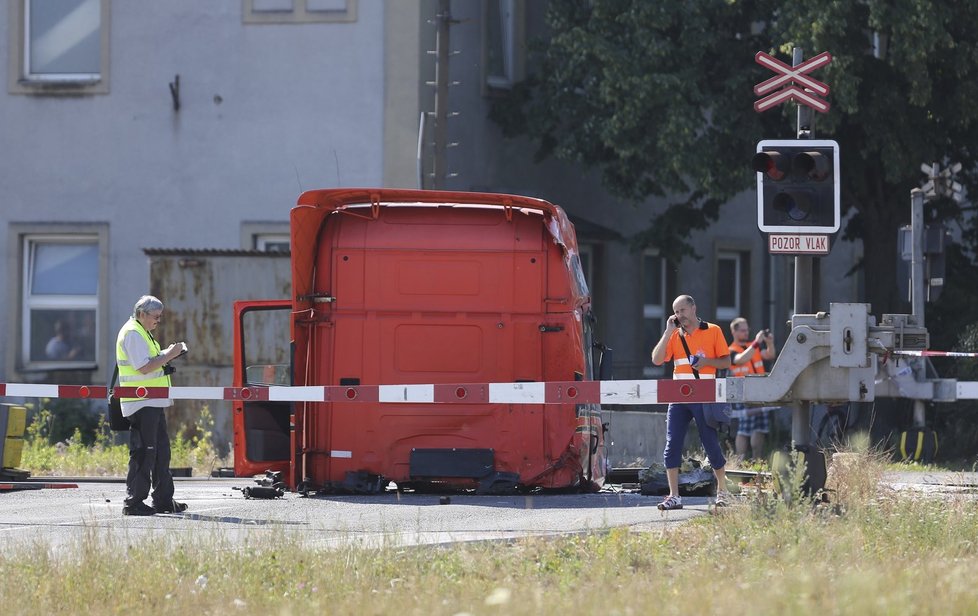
x,y
797,186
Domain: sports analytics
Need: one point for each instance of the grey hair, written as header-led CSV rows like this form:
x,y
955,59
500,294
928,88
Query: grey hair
x,y
145,304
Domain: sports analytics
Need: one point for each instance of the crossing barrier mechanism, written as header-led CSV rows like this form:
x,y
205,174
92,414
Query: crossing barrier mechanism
x,y
554,392
631,392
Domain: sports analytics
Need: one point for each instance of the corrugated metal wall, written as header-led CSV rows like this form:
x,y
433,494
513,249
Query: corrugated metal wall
x,y
198,290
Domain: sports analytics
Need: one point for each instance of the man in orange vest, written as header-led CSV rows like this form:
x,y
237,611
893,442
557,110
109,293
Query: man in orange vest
x,y
697,349
747,357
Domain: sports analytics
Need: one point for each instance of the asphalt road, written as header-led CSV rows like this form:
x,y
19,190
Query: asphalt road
x,y
60,517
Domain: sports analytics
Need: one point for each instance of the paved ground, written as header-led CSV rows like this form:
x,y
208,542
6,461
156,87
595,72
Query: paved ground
x,y
963,484
61,516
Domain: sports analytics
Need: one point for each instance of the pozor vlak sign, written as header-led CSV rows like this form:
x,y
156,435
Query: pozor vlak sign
x,y
798,244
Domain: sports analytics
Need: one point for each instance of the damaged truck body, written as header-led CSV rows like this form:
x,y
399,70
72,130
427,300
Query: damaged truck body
x,y
401,287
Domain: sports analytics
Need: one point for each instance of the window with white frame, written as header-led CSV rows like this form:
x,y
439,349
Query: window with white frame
x,y
298,11
59,46
272,242
60,301
729,283
654,309
503,47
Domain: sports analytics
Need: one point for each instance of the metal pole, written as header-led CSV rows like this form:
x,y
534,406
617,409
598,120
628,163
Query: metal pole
x,y
801,414
441,93
917,254
419,166
917,291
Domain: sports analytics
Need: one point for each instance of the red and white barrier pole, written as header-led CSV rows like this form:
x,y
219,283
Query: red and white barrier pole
x,y
554,392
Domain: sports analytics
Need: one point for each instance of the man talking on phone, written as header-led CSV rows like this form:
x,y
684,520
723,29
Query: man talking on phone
x,y
697,350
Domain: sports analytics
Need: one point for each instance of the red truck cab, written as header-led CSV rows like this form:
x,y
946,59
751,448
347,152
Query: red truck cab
x,y
400,287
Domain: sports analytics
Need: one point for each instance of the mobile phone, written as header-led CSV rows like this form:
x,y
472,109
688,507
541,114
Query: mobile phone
x,y
675,321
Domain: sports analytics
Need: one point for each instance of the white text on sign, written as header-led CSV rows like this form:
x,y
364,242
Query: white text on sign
x,y
797,244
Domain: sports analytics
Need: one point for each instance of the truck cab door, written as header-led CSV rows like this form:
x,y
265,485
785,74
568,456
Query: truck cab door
x,y
263,430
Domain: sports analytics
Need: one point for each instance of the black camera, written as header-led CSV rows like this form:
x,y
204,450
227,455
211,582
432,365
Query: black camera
x,y
168,369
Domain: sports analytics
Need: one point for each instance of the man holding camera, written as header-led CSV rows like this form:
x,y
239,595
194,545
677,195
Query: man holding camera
x,y
697,350
142,363
747,357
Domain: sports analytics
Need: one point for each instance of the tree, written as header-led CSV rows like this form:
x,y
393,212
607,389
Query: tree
x,y
659,97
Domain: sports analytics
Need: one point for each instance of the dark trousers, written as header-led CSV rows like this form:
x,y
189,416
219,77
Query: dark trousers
x,y
149,457
678,417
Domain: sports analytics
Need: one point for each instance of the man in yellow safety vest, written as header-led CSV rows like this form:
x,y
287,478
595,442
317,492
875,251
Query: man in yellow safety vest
x,y
142,363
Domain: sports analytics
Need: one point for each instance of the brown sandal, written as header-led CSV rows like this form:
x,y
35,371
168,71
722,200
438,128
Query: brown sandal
x,y
671,502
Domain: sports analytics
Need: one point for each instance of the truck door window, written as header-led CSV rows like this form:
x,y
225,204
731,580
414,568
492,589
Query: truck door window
x,y
265,352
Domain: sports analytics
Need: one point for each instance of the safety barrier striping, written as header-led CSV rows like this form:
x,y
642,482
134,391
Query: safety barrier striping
x,y
551,392
934,353
634,392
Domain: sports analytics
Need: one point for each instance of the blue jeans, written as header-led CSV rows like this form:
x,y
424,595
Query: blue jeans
x,y
677,424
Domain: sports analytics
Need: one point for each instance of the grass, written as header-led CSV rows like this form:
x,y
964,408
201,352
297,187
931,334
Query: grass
x,y
73,457
871,551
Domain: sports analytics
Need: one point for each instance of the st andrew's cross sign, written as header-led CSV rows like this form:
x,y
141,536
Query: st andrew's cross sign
x,y
794,83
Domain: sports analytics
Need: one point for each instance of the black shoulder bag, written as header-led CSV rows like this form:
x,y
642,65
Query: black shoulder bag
x,y
117,421
717,415
689,356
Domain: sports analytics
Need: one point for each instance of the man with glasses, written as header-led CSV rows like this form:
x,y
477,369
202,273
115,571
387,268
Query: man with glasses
x,y
142,363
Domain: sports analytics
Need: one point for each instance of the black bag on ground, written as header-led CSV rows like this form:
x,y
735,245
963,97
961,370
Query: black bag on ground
x,y
918,445
117,422
815,472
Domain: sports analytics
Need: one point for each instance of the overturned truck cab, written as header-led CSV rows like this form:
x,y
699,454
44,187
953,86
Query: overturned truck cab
x,y
415,288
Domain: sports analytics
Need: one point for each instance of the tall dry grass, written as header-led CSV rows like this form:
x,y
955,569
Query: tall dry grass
x,y
870,551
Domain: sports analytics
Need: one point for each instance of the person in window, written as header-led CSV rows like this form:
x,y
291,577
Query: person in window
x,y
142,363
61,346
697,350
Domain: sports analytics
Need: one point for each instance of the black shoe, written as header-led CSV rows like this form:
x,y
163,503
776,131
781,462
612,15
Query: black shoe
x,y
172,507
138,509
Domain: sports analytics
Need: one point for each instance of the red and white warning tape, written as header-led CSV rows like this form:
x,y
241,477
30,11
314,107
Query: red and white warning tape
x,y
554,392
934,353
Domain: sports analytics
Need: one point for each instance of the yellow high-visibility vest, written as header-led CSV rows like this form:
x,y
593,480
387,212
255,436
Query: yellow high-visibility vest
x,y
129,376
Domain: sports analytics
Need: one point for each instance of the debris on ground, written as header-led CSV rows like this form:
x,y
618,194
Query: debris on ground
x,y
695,479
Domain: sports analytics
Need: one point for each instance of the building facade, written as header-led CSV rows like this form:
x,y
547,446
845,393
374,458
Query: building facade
x,y
183,125
180,124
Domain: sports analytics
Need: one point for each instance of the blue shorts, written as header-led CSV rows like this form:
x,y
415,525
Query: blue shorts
x,y
677,424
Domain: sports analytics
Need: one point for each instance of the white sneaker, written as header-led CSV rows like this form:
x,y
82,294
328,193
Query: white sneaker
x,y
723,499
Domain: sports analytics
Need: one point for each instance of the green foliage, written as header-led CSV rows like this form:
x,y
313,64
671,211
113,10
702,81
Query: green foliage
x,y
197,450
63,417
97,454
659,97
71,456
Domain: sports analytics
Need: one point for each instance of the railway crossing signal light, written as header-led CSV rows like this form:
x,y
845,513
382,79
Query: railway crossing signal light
x,y
797,186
